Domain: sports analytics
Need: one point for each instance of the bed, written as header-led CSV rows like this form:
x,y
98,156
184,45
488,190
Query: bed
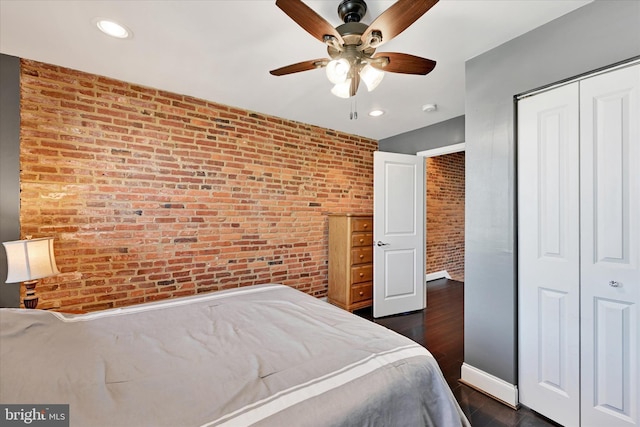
x,y
264,355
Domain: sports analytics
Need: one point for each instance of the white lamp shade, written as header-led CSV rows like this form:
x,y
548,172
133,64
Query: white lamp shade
x,y
371,76
342,90
30,259
338,70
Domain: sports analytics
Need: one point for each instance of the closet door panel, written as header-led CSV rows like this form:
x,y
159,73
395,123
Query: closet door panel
x,y
610,248
548,253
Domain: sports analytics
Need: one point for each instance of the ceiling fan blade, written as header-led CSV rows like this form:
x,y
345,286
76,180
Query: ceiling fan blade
x,y
404,63
398,18
304,16
300,66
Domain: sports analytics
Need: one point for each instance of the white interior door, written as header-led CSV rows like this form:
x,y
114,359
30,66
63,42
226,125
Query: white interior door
x,y
549,254
610,229
399,233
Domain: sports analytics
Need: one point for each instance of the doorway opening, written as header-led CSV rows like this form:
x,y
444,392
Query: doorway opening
x,y
445,192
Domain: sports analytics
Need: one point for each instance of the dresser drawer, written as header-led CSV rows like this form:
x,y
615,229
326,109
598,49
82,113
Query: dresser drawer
x,y
362,273
361,292
361,255
362,224
362,239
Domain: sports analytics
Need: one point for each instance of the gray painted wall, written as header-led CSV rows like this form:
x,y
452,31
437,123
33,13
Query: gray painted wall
x,y
9,169
596,35
439,135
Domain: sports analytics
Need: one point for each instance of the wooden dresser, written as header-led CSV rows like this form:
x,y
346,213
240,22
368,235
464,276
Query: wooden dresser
x,y
350,261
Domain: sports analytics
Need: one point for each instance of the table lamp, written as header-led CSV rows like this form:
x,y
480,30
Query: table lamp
x,y
30,260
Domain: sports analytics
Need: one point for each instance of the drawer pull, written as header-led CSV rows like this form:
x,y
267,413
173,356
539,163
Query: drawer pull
x,y
361,293
361,256
365,226
361,240
361,274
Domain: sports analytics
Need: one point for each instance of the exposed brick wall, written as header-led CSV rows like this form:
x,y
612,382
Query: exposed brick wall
x,y
445,214
153,195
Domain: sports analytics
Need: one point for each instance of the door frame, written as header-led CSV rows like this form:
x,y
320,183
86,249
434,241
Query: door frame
x,y
441,151
435,152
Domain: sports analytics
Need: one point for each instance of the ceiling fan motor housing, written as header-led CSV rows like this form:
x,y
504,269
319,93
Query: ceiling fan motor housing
x,y
352,10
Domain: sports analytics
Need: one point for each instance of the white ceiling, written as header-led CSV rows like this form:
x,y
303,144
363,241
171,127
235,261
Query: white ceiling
x,y
223,50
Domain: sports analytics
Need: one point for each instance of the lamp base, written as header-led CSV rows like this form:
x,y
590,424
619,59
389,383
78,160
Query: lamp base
x,y
30,303
30,300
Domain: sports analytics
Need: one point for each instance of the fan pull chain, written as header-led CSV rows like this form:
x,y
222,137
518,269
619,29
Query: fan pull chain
x,y
353,115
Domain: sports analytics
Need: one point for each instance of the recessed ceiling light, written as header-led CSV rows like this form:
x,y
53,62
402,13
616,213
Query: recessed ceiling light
x,y
376,113
112,28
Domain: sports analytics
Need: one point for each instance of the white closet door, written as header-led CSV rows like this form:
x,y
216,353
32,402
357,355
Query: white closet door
x,y
610,261
548,254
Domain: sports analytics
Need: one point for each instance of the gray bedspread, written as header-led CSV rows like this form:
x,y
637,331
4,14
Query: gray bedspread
x,y
265,355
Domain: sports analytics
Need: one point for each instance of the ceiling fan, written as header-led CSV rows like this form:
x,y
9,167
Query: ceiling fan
x,y
352,45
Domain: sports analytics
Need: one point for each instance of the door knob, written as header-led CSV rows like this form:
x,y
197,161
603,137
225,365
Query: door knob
x,y
382,243
615,284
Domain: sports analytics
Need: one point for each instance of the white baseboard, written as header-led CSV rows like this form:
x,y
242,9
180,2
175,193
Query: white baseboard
x,y
437,275
489,384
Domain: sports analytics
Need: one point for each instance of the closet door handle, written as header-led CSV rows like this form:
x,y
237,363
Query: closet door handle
x,y
382,243
615,284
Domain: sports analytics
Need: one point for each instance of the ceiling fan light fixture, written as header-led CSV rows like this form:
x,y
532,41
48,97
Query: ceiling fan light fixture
x,y
342,90
351,46
338,70
371,76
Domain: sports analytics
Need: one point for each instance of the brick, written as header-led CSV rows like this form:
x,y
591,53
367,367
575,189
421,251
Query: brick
x,y
153,195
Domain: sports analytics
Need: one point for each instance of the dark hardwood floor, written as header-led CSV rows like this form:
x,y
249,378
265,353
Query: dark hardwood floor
x,y
440,328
